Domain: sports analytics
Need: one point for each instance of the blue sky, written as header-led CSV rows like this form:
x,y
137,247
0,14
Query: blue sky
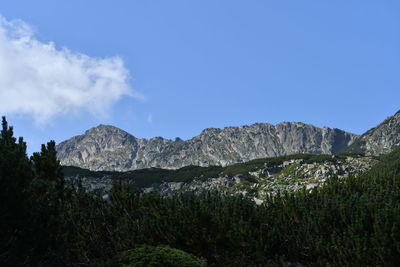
x,y
181,66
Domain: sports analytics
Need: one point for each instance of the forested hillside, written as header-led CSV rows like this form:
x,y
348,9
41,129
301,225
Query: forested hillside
x,y
349,222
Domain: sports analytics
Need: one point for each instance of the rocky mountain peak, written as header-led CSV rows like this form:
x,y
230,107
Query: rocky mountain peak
x,y
98,146
109,148
102,129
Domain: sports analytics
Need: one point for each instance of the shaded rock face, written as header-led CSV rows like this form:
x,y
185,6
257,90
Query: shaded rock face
x,y
109,148
379,140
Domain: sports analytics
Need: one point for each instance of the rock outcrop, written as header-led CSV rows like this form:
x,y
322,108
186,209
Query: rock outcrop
x,y
379,140
109,148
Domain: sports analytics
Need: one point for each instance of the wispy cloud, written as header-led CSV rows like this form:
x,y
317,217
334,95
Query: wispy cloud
x,y
39,80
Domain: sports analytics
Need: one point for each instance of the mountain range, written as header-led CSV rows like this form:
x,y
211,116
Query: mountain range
x,y
108,148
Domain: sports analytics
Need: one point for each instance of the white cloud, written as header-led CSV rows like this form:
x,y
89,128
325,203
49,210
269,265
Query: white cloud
x,y
41,81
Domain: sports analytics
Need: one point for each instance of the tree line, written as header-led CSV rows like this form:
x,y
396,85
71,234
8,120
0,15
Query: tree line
x,y
44,222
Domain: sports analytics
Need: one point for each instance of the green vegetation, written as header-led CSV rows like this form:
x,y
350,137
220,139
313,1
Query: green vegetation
x,y
155,256
33,200
290,170
353,222
146,177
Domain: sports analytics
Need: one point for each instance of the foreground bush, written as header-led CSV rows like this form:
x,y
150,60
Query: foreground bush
x,y
155,256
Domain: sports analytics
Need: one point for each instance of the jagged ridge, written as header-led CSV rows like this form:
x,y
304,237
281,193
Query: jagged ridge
x,y
109,148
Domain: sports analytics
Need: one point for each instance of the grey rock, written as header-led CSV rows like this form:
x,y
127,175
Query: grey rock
x,y
109,148
379,140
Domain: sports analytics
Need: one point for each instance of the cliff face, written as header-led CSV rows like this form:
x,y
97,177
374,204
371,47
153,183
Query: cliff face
x,y
381,139
109,148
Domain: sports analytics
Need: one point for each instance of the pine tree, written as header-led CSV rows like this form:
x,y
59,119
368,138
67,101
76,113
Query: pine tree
x,y
15,177
47,195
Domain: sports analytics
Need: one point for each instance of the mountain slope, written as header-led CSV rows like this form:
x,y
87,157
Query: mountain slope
x,y
256,179
379,140
109,148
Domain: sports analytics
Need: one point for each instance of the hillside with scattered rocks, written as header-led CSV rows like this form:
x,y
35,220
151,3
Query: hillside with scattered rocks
x,y
257,179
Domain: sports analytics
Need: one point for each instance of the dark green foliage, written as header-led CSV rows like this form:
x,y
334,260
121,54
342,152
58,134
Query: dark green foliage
x,y
47,197
15,177
32,196
354,222
389,163
146,177
159,256
70,171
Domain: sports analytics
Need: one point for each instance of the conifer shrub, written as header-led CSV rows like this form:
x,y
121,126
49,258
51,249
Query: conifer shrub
x,y
154,256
